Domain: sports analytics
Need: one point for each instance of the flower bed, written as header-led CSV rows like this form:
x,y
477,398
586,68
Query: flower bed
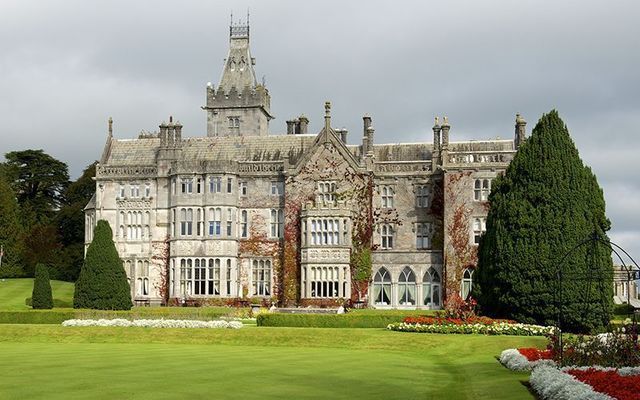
x,y
525,359
586,383
154,323
446,325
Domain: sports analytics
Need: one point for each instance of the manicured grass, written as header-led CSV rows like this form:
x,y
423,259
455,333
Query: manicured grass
x,y
56,362
13,293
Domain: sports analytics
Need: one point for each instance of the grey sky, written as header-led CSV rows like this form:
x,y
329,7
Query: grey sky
x,y
67,66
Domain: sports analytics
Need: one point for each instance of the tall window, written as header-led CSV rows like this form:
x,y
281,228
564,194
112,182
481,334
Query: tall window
x,y
243,189
200,277
229,222
215,184
326,192
467,283
277,188
431,288
229,184
382,287
121,193
147,190
200,223
186,222
407,287
215,222
199,185
324,281
479,227
186,185
244,224
386,234
387,193
135,190
325,231
261,274
423,235
228,277
481,189
277,223
423,194
213,281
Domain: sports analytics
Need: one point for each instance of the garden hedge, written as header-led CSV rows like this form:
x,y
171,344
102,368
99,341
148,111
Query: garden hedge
x,y
328,320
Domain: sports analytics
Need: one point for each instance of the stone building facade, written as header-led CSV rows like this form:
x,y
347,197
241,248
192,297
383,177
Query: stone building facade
x,y
295,218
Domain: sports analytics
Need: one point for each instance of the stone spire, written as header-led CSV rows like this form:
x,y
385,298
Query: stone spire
x,y
238,69
231,107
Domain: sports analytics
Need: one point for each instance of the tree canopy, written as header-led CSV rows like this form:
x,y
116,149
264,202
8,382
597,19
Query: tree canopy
x,y
546,203
38,180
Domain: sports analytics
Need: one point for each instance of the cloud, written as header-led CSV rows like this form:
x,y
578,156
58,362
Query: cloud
x,y
69,65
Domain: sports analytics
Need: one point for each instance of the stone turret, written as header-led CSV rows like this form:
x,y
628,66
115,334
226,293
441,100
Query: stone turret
x,y
239,105
520,135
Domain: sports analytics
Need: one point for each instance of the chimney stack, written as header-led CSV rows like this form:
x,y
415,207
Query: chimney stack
x,y
435,154
304,123
343,134
521,126
290,127
367,137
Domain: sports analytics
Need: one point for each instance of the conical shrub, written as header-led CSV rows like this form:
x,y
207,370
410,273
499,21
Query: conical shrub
x,y
41,298
102,283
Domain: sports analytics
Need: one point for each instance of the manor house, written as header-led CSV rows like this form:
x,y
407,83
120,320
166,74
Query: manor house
x,y
300,217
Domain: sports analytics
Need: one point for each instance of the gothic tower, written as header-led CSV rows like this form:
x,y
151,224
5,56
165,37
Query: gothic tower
x,y
239,105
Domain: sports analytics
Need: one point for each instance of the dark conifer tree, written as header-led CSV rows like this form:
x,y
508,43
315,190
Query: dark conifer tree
x,y
546,203
102,283
41,298
10,232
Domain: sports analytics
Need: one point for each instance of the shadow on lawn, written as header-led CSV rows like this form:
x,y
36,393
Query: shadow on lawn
x,y
530,389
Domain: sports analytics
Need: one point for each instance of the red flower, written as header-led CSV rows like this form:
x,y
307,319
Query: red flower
x,y
610,382
534,354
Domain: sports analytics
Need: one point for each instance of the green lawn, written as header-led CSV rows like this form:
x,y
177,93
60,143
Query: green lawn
x,y
13,292
54,362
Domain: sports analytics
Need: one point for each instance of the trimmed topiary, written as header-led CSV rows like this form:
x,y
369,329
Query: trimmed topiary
x,y
546,204
102,283
41,298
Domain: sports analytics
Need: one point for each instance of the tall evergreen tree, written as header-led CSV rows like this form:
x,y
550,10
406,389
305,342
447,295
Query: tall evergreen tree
x,y
10,232
545,205
102,283
41,298
70,224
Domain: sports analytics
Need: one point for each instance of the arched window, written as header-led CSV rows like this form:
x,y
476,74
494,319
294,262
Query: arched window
x,y
467,283
407,287
382,287
244,229
431,288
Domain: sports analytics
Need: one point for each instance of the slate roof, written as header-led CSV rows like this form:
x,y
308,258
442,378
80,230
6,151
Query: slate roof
x,y
143,151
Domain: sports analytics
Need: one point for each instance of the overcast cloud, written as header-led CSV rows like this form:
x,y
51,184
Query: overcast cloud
x,y
66,66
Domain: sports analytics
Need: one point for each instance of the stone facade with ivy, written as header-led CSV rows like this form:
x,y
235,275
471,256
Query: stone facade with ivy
x,y
297,218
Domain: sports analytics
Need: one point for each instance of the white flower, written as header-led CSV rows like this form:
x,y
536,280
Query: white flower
x,y
154,323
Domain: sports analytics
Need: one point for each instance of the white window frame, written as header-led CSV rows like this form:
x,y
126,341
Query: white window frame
x,y
387,194
387,235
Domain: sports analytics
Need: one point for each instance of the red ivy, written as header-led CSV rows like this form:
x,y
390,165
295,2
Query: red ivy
x,y
610,382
